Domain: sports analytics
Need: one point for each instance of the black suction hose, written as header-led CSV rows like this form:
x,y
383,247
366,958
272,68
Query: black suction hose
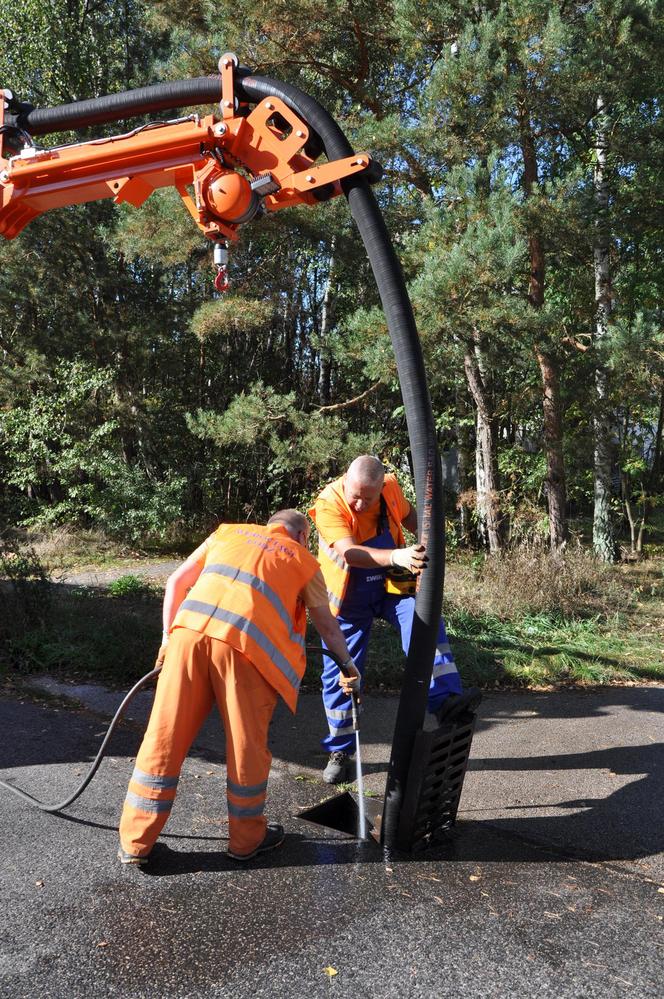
x,y
405,341
421,433
44,806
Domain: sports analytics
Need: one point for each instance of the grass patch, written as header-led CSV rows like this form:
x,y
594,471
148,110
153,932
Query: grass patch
x,y
88,635
536,651
521,620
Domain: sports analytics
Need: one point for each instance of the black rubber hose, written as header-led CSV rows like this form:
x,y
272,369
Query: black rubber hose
x,y
44,806
421,432
116,107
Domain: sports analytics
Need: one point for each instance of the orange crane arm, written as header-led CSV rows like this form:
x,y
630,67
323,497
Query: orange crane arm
x,y
225,170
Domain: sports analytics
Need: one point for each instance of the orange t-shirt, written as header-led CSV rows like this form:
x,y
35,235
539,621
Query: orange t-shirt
x,y
333,522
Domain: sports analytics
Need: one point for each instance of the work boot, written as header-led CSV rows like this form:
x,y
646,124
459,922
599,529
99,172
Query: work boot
x,y
456,704
337,767
274,836
131,858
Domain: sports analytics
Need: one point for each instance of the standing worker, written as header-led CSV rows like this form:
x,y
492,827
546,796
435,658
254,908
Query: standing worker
x,y
236,637
359,519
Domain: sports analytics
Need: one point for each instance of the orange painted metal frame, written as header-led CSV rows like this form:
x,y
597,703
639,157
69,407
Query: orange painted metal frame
x,y
192,153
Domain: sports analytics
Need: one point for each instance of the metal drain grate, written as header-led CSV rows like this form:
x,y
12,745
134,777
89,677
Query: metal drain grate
x,y
435,780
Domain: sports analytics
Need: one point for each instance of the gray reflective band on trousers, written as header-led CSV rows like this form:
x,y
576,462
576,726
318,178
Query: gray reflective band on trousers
x,y
338,713
249,628
245,790
154,780
443,669
148,804
239,575
245,812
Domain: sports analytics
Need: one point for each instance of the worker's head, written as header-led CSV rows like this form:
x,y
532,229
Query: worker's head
x,y
363,482
295,523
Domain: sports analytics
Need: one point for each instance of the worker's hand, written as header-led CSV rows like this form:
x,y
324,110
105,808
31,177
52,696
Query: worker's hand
x,y
350,684
161,655
414,558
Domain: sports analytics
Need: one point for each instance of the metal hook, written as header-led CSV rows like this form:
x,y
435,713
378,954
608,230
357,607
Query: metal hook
x,y
221,281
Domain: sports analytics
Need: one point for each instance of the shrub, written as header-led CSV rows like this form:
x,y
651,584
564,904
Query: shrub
x,y
129,586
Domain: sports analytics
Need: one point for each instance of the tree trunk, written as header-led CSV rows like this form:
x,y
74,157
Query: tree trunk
x,y
556,493
553,439
603,531
325,373
490,520
657,451
464,447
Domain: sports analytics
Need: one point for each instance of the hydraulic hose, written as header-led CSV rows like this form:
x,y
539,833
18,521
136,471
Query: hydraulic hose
x,y
59,806
116,107
405,341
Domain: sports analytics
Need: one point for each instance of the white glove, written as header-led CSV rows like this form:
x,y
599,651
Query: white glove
x,y
413,558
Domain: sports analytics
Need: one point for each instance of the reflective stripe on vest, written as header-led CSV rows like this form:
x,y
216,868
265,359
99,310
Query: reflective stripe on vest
x,y
238,575
332,554
250,629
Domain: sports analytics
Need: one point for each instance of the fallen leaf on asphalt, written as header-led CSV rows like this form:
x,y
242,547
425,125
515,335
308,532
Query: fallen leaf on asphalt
x,y
475,877
330,971
39,884
661,891
103,943
439,900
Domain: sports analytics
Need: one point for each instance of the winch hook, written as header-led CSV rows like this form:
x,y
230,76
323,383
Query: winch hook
x,y
221,281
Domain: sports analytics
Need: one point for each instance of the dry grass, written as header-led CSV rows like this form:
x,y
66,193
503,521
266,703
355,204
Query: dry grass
x,y
528,581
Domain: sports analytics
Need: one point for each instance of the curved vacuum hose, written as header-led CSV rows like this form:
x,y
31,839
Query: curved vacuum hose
x,y
421,432
44,806
405,341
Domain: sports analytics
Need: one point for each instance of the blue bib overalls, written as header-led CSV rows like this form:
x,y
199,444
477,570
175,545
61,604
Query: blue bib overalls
x,y
365,600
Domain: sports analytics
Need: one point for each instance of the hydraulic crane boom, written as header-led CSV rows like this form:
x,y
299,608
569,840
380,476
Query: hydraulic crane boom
x,y
226,171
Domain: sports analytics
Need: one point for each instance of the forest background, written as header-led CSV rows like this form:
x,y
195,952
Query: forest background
x,y
523,147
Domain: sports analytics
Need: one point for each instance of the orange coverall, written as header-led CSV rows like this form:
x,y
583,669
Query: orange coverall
x,y
238,638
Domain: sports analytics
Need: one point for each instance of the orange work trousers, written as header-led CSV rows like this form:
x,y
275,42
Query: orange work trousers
x,y
197,671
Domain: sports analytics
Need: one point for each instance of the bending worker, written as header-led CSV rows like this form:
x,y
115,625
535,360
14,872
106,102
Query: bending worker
x,y
236,637
359,519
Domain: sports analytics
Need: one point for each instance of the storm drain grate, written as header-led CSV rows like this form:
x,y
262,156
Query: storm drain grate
x,y
435,780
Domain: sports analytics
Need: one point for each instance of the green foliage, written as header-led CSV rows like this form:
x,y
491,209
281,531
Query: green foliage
x,y
241,315
26,591
128,586
134,398
62,450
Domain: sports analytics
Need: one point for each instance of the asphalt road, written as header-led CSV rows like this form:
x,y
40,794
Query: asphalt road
x,y
553,886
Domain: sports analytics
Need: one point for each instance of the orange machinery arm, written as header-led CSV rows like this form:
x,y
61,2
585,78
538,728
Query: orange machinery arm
x,y
236,165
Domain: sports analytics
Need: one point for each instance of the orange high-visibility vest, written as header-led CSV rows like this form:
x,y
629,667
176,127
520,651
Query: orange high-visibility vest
x,y
248,595
336,571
